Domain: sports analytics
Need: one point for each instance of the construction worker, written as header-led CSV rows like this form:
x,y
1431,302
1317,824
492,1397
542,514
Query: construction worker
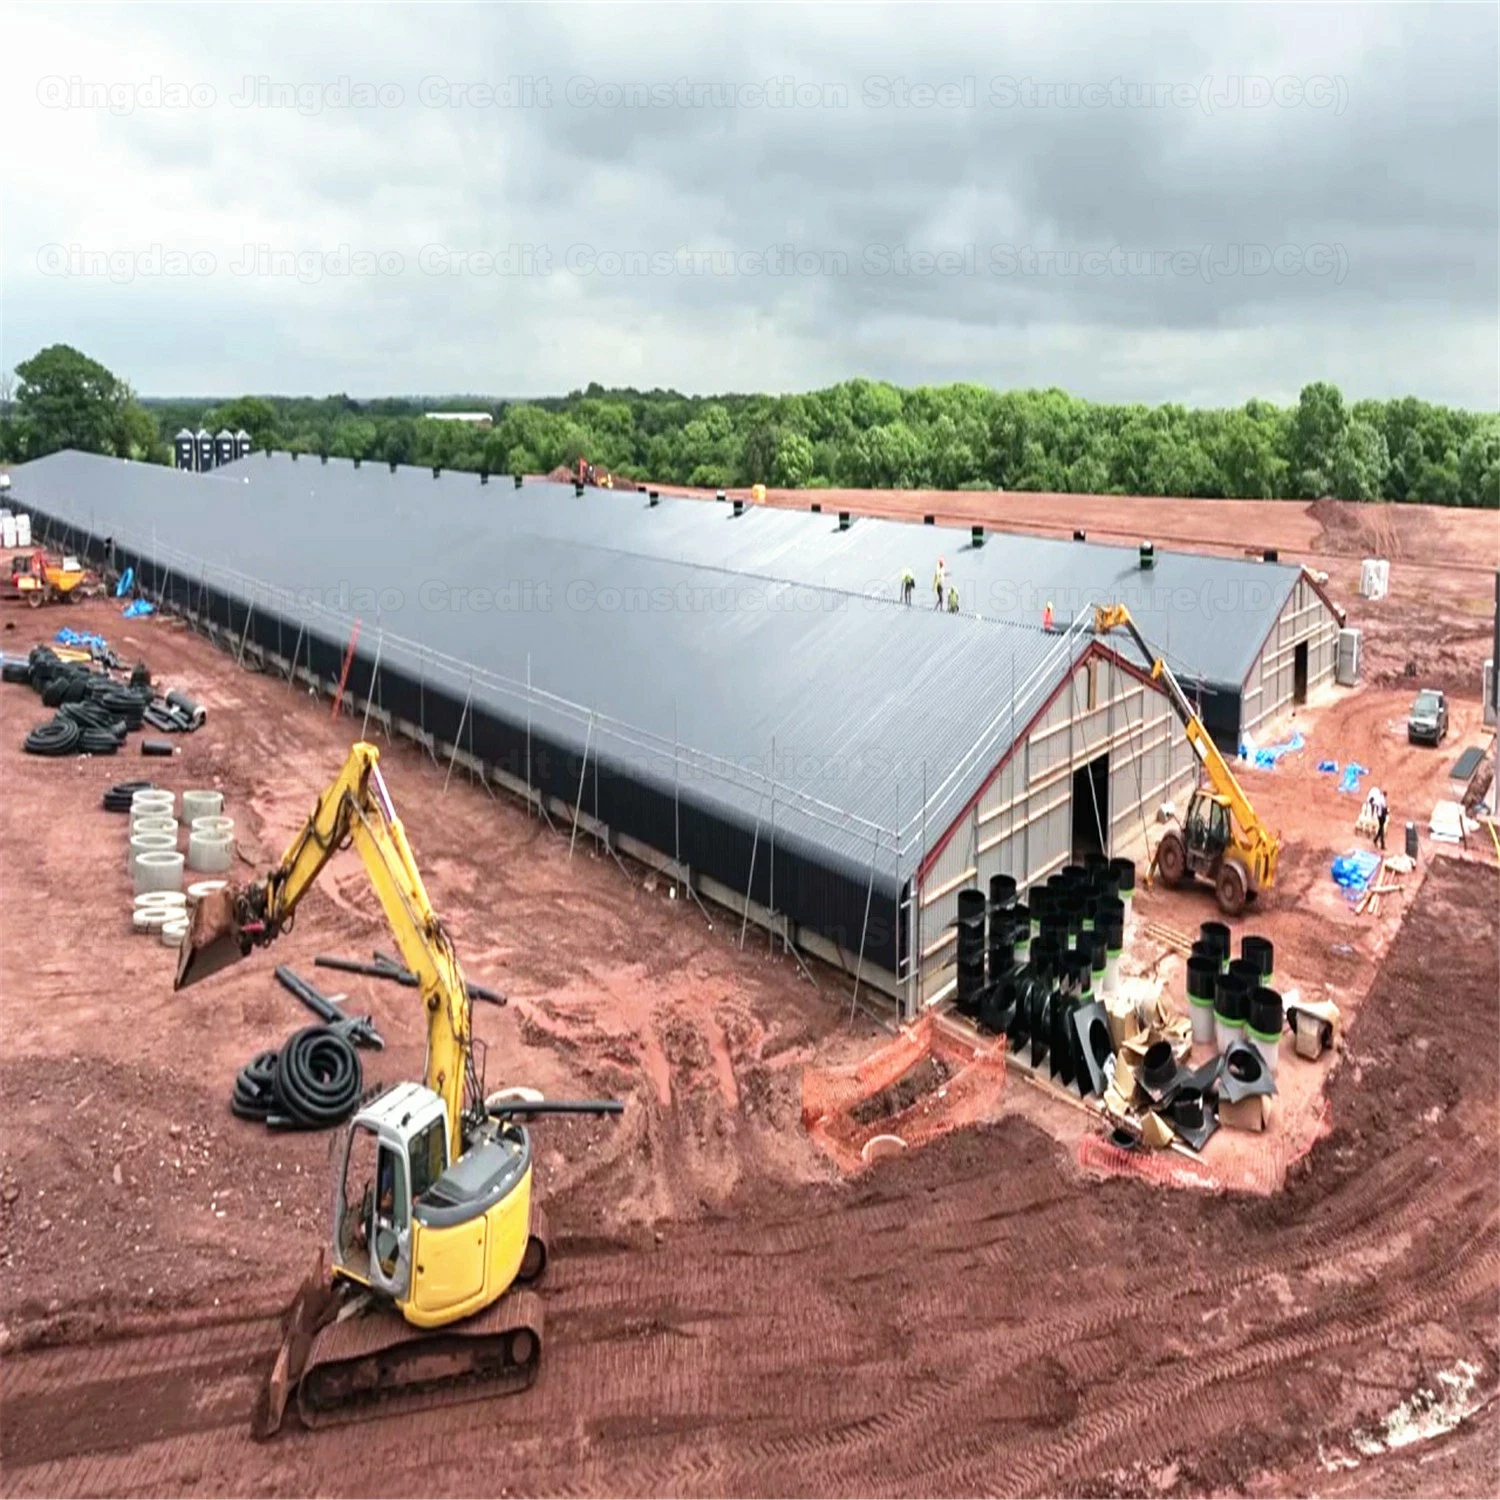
x,y
952,599
939,583
1047,616
1382,812
908,585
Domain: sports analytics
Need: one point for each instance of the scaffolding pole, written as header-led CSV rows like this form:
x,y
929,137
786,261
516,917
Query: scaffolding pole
x,y
582,772
458,734
750,882
374,681
239,657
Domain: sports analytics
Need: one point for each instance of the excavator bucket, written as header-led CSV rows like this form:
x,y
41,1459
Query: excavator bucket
x,y
213,940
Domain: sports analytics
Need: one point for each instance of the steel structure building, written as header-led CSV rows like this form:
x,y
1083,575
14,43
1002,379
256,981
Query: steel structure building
x,y
738,698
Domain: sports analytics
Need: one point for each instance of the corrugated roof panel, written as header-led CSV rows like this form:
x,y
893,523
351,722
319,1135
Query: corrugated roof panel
x,y
864,699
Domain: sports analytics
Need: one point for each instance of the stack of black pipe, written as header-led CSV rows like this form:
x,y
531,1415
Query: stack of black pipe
x,y
94,713
970,924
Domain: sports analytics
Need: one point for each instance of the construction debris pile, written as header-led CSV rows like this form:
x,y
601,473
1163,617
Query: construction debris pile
x,y
1046,975
98,699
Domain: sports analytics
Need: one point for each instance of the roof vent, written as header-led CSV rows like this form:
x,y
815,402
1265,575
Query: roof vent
x,y
577,490
655,496
976,536
294,455
1148,554
817,507
739,507
1080,536
640,489
653,499
929,520
1270,555
484,476
323,458
845,520
437,469
719,496
393,466
356,460
518,481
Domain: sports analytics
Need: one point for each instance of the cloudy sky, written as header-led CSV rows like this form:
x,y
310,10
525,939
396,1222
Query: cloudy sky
x,y
1198,203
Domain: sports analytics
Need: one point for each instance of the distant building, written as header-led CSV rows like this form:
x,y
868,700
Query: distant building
x,y
478,418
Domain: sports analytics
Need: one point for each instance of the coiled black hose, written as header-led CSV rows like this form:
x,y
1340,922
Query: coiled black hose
x,y
57,737
313,1082
118,798
252,1098
101,741
317,1079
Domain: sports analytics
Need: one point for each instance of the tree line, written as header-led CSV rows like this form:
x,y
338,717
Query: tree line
x,y
858,434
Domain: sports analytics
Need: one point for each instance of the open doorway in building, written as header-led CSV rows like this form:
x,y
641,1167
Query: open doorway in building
x,y
1091,808
1299,672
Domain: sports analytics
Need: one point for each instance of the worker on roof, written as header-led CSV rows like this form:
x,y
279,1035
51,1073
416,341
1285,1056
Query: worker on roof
x,y
908,585
939,583
952,599
1047,616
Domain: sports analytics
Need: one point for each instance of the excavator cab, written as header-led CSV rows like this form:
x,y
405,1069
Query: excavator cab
x,y
394,1151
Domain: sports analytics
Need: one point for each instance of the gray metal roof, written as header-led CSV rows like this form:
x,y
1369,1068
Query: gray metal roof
x,y
638,629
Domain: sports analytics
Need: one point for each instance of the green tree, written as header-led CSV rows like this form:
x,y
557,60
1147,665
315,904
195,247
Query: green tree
x,y
1317,428
1479,468
1359,463
252,414
794,461
68,400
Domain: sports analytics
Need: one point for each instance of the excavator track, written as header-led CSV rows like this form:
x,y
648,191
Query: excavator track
x,y
377,1365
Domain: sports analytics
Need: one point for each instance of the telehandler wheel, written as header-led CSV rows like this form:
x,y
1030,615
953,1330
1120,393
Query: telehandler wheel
x,y
1232,889
1171,860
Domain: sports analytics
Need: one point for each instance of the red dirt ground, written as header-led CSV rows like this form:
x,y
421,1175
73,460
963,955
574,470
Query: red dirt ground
x,y
725,1314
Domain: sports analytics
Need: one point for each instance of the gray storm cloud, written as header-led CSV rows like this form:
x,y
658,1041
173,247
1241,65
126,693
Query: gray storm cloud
x,y
1188,203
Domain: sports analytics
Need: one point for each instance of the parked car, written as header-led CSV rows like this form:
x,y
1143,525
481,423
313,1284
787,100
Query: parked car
x,y
1427,723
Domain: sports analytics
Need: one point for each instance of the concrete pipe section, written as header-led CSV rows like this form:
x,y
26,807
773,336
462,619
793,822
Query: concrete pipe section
x,y
209,854
201,805
212,823
153,909
154,824
881,1148
201,888
148,843
173,932
153,801
158,870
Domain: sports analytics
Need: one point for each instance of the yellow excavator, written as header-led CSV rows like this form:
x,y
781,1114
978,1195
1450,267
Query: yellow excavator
x,y
1222,837
434,1223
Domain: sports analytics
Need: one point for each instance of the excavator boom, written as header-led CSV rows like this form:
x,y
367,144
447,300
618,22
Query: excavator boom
x,y
1260,846
356,810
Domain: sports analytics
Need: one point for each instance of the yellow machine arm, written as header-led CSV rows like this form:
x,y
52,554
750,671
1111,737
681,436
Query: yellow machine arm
x,y
1260,844
356,809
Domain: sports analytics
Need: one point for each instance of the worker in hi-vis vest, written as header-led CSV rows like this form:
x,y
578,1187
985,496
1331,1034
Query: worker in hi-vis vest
x,y
952,599
908,585
940,583
1047,616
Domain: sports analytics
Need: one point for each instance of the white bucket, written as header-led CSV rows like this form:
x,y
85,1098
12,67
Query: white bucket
x,y
8,535
23,530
